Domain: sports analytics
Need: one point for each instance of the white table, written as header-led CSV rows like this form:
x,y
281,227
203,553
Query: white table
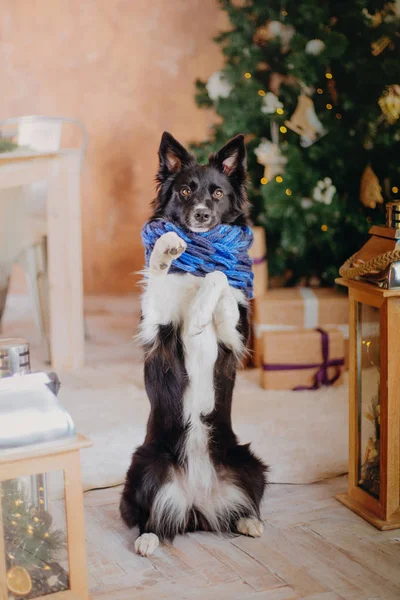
x,y
62,172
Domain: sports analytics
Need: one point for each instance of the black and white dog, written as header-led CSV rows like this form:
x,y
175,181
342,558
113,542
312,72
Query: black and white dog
x,y
191,473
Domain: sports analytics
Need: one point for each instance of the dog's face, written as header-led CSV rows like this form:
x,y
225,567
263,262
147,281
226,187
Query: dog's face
x,y
200,197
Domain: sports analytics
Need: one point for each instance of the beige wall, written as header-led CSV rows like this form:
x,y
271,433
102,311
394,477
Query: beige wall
x,y
125,68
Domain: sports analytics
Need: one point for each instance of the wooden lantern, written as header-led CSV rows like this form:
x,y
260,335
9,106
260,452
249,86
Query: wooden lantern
x,y
42,540
374,378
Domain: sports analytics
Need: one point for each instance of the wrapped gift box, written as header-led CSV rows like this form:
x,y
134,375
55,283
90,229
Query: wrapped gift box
x,y
302,359
258,254
287,309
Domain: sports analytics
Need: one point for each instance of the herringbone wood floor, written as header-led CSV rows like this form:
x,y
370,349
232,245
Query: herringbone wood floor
x,y
312,548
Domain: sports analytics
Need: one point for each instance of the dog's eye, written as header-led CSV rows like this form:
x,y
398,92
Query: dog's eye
x,y
186,191
218,194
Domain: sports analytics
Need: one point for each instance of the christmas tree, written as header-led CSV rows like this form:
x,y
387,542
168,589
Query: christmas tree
x,y
315,86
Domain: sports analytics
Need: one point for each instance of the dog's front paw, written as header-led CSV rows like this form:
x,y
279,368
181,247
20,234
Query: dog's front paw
x,y
170,245
250,526
166,249
146,544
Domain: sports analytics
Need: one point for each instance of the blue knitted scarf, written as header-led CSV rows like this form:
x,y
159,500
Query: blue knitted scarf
x,y
223,248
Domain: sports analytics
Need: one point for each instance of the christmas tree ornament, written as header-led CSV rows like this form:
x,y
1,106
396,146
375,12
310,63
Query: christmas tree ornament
x,y
277,79
375,20
304,122
285,36
314,47
385,15
269,155
380,45
332,90
274,30
324,191
260,37
19,581
390,103
270,103
218,87
306,203
263,66
370,188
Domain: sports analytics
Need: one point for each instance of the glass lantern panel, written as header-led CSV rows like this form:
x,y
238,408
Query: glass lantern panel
x,y
368,368
35,535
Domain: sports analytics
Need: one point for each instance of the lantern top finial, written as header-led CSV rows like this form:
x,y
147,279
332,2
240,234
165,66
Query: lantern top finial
x,y
393,215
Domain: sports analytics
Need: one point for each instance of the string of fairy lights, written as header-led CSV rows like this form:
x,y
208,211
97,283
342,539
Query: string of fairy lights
x,y
280,111
30,530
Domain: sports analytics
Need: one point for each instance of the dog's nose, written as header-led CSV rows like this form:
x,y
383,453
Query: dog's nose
x,y
202,215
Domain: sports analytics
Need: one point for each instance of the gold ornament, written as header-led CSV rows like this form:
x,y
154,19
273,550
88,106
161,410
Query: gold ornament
x,y
376,19
263,66
305,122
390,103
370,189
260,37
380,45
19,581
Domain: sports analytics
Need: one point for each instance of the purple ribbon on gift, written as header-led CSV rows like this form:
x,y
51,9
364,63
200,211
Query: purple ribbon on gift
x,y
259,261
321,377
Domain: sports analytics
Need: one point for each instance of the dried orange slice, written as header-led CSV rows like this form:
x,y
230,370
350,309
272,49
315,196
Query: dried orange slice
x,y
19,581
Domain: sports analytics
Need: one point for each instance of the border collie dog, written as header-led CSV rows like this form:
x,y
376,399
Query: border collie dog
x,y
191,474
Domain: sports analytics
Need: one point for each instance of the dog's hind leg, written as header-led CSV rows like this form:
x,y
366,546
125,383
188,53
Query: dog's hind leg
x,y
146,476
132,515
250,474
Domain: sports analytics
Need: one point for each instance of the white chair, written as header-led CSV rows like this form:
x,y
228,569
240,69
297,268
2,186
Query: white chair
x,y
23,223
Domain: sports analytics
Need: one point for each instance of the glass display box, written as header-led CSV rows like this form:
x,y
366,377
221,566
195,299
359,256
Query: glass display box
x,y
42,540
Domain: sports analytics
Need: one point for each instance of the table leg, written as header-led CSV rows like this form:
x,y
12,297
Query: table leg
x,y
65,263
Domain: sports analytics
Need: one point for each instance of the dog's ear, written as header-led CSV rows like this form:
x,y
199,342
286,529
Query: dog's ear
x,y
172,156
231,159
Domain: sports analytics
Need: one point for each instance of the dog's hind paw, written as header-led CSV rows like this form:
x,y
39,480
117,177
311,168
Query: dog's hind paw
x,y
252,527
146,544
